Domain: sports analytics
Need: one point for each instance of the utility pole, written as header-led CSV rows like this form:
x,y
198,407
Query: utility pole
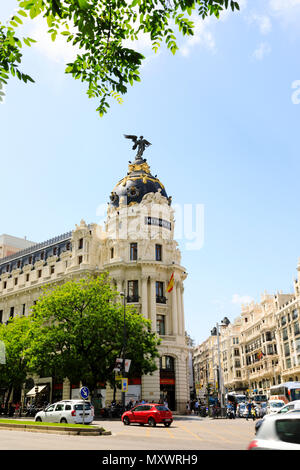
x,y
220,373
124,347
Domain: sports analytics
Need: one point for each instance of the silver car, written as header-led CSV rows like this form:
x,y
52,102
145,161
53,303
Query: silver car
x,y
67,411
278,432
291,406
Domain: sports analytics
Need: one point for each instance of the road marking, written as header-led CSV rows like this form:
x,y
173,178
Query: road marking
x,y
217,435
190,432
170,433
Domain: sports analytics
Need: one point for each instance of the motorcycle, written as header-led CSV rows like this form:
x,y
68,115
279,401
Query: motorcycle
x,y
230,412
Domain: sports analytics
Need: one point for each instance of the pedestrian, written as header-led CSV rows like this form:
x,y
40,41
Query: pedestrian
x,y
196,407
249,408
188,408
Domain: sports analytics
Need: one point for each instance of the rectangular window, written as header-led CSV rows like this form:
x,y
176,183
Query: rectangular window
x,y
133,251
52,269
39,273
286,349
23,309
27,277
111,252
4,284
80,243
295,314
133,291
296,329
12,311
1,316
158,252
16,281
79,259
160,298
160,325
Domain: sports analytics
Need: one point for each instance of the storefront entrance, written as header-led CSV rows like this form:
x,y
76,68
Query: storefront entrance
x,y
167,381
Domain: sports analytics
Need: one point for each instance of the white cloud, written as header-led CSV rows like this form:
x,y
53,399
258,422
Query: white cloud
x,y
241,299
283,5
203,36
59,51
288,11
261,51
263,21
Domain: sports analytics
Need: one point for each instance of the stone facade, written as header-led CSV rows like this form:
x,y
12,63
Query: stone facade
x,y
136,247
259,349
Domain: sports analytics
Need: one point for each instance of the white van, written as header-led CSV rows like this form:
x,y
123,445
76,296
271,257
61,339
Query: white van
x,y
274,406
67,411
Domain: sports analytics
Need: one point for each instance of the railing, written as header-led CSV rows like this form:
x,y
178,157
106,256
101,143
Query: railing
x,y
132,298
160,299
36,247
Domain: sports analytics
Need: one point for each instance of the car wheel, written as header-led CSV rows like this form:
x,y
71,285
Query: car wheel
x,y
38,419
151,422
63,420
167,425
126,421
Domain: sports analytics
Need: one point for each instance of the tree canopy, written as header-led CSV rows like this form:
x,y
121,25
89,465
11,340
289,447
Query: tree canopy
x,y
14,370
77,332
100,29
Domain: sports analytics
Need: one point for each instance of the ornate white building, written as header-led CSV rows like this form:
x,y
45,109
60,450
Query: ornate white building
x,y
137,247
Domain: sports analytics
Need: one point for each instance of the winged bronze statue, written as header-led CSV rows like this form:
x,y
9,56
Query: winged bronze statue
x,y
140,144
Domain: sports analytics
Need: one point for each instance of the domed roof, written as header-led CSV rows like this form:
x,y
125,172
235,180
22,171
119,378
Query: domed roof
x,y
138,182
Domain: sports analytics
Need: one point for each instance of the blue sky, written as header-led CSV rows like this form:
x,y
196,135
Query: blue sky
x,y
223,119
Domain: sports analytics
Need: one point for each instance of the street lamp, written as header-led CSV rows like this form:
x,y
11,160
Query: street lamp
x,y
122,294
220,384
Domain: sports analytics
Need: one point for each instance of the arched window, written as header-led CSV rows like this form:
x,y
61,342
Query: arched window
x,y
167,363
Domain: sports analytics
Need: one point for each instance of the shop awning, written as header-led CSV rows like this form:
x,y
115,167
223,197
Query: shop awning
x,y
32,393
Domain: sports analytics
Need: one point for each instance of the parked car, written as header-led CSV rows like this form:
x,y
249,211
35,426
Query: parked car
x,y
274,405
278,432
67,411
148,413
291,406
241,410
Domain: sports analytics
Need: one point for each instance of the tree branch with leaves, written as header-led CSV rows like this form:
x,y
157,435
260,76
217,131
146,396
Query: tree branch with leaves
x,y
100,29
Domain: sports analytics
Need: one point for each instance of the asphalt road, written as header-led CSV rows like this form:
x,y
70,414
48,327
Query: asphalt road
x,y
186,433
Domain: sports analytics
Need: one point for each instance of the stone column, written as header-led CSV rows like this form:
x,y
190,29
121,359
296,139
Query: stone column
x,y
145,296
66,395
179,311
174,310
182,309
152,312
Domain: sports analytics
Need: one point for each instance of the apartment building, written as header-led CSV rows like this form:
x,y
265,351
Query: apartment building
x,y
260,348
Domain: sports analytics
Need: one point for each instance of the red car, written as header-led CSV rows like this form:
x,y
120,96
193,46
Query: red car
x,y
148,413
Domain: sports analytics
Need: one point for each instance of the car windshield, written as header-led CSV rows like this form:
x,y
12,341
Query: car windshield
x,y
162,408
79,407
277,405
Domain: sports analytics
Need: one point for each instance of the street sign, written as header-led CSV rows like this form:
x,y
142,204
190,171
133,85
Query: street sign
x,y
124,384
119,365
127,365
84,392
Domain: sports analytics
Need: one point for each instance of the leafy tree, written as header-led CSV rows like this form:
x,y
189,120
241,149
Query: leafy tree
x,y
77,332
99,28
14,371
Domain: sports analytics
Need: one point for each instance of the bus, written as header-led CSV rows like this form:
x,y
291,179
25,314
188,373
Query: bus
x,y
236,397
259,398
287,391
